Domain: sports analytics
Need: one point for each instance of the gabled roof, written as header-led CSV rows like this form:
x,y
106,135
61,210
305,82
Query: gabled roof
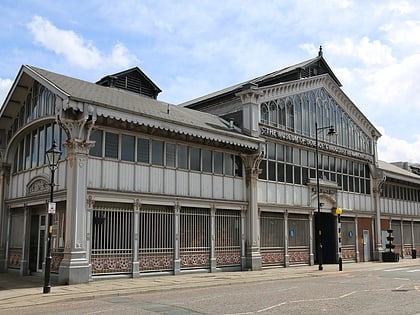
x,y
308,68
399,173
131,107
133,80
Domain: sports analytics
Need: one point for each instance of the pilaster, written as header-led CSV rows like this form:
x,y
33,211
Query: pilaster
x,y
4,215
213,262
177,259
75,267
253,249
136,227
286,239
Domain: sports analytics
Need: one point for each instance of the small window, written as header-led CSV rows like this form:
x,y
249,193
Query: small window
x,y
207,159
143,150
218,162
195,163
228,161
238,166
96,150
183,157
111,145
170,155
127,148
157,152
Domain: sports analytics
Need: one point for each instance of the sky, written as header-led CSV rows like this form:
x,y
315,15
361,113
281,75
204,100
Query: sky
x,y
190,48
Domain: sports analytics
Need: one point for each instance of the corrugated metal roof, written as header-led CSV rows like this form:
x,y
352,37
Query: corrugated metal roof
x,y
135,104
398,172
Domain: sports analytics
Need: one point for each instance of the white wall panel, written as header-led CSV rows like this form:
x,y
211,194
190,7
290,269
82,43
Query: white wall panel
x,y
281,193
239,189
206,186
218,187
262,191
110,175
297,198
94,173
170,182
195,185
142,178
126,177
271,192
156,180
289,194
182,180
228,187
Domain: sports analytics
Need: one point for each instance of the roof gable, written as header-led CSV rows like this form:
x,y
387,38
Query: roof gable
x,y
133,80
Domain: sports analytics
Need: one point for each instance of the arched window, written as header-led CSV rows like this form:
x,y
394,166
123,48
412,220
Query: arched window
x,y
298,113
282,113
273,115
290,115
264,113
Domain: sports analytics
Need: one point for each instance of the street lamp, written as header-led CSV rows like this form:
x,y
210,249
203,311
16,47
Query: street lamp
x,y
331,131
53,156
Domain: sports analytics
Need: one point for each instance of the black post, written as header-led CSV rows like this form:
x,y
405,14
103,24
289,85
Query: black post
x,y
318,201
48,258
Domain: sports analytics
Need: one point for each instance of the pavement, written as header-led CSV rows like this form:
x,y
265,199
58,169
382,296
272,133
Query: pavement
x,y
16,291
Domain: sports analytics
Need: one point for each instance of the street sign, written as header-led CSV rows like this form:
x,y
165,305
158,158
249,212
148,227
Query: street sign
x,y
51,207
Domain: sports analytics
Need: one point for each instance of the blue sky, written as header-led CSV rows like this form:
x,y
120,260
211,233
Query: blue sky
x,y
191,48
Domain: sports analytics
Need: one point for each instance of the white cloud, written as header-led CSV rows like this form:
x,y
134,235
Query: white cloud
x,y
395,84
5,85
75,49
370,52
391,149
404,33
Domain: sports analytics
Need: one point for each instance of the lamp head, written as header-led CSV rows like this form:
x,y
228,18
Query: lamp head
x,y
331,131
53,156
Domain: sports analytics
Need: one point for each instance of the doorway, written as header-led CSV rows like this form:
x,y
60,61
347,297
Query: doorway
x,y
366,245
328,238
37,243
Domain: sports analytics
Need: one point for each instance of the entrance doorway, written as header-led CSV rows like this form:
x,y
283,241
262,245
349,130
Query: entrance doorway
x,y
328,238
366,245
37,242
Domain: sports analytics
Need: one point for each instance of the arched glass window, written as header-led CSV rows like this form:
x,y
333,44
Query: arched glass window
x,y
264,113
282,113
290,115
298,113
273,115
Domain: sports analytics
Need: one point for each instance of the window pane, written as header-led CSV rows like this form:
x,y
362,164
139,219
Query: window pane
x,y
143,150
170,155
96,136
263,169
280,172
182,157
289,173
195,159
157,152
272,170
218,162
127,148
34,148
238,166
207,157
228,161
271,151
111,145
297,175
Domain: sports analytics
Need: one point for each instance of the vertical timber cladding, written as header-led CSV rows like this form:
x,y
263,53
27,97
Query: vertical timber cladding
x,y
112,240
416,234
272,238
407,238
396,232
16,233
156,241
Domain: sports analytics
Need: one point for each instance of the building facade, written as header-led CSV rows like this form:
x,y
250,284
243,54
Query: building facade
x,y
229,181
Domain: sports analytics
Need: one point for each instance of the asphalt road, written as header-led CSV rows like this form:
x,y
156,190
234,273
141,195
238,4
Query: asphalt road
x,y
394,290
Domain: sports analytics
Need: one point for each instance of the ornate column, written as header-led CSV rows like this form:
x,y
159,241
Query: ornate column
x,y
378,181
4,215
177,259
74,267
136,236
253,250
311,239
213,262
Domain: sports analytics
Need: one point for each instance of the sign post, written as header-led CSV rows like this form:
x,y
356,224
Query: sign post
x,y
338,212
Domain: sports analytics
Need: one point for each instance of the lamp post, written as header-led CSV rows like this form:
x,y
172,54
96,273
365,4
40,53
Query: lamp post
x,y
53,156
331,131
